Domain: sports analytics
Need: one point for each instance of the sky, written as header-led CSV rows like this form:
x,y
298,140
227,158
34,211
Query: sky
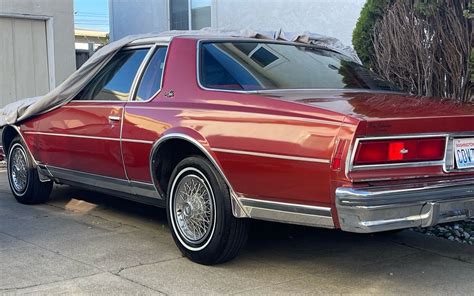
x,y
94,14
91,14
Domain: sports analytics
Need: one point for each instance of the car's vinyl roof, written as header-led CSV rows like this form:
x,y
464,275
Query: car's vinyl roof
x,y
197,35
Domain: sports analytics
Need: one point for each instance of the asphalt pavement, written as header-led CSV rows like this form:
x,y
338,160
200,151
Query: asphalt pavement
x,y
87,243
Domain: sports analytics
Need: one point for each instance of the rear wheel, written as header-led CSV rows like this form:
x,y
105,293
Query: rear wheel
x,y
23,176
200,214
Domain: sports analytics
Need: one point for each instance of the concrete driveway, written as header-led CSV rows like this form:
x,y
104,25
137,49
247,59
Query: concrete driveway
x,y
87,243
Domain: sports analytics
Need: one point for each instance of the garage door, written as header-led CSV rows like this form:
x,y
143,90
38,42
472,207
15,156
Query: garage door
x,y
23,59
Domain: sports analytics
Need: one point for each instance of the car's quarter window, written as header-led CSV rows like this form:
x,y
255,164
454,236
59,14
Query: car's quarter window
x,y
247,65
114,81
150,83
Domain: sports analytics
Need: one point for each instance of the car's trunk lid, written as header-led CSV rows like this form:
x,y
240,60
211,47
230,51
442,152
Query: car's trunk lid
x,y
386,113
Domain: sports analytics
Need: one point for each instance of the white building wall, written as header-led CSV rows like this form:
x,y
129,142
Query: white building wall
x,y
128,17
36,47
336,18
60,16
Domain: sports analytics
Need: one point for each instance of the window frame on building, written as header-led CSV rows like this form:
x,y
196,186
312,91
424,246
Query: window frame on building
x,y
189,15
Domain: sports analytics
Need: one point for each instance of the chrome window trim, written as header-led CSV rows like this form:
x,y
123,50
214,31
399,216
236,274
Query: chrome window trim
x,y
233,39
448,153
119,105
127,47
271,155
154,39
135,47
141,72
138,75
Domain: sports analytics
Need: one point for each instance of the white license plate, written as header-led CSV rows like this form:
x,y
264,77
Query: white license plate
x,y
464,153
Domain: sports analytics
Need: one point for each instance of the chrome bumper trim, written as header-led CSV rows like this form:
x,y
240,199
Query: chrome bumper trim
x,y
287,212
375,209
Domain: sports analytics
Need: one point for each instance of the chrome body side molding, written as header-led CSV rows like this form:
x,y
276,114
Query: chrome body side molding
x,y
145,192
243,207
271,155
145,189
288,212
93,180
139,191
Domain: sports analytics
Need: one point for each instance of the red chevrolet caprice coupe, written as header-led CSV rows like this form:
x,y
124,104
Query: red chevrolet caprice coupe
x,y
218,130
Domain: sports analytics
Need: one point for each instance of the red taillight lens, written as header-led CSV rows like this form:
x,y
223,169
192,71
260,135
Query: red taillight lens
x,y
336,162
399,151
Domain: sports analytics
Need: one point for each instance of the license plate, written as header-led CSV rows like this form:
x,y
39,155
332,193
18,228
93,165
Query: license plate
x,y
464,153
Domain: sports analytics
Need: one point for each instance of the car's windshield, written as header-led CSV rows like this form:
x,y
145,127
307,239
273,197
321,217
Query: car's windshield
x,y
266,65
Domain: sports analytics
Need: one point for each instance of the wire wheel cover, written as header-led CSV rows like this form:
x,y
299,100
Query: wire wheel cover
x,y
18,169
193,209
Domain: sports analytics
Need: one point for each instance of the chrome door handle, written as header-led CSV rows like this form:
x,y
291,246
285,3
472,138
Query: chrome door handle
x,y
114,118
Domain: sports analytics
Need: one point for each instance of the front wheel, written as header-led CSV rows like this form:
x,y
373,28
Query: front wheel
x,y
23,176
200,214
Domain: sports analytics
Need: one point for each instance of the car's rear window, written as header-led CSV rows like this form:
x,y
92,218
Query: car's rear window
x,y
267,65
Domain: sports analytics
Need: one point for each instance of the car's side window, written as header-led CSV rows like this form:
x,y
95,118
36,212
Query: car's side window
x,y
150,83
114,81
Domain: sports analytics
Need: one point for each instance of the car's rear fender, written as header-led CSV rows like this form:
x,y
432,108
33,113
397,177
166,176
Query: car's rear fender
x,y
193,143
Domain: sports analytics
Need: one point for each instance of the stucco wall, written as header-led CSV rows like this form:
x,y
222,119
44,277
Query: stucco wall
x,y
61,13
335,18
128,17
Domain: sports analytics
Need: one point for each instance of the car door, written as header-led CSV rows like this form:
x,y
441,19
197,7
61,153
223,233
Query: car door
x,y
84,135
140,126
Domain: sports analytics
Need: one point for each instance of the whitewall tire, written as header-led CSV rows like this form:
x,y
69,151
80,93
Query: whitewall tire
x,y
200,214
23,176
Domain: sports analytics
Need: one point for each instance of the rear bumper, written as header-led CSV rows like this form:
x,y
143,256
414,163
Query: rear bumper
x,y
375,209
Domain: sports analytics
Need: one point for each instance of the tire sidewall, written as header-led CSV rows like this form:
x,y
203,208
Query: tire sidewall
x,y
222,210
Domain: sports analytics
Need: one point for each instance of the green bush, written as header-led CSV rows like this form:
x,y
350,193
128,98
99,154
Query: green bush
x,y
362,36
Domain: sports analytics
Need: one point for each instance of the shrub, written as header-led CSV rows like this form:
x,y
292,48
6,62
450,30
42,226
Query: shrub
x,y
362,36
424,46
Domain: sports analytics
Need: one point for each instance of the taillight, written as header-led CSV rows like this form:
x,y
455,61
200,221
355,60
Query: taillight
x,y
336,162
399,151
